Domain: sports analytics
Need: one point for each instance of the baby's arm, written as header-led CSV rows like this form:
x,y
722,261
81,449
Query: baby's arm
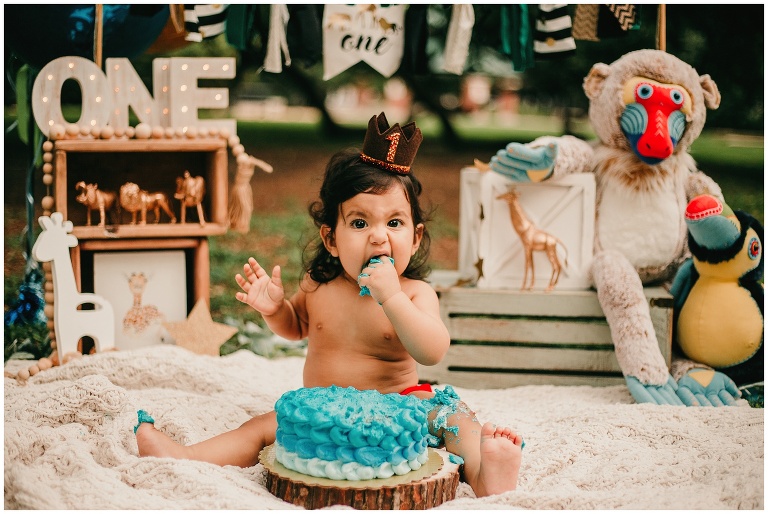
x,y
415,315
266,295
418,325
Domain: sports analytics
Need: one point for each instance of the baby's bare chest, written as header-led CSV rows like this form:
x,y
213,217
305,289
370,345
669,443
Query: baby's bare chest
x,y
352,322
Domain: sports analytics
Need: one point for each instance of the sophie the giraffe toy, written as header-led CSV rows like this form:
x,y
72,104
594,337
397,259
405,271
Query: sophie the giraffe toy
x,y
71,323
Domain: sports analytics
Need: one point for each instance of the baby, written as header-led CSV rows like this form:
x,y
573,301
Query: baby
x,y
372,237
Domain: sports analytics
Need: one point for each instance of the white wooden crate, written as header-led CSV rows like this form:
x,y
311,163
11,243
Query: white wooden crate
x,y
490,251
507,338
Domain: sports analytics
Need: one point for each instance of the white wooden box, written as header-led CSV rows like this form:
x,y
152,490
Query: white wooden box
x,y
508,338
490,250
470,214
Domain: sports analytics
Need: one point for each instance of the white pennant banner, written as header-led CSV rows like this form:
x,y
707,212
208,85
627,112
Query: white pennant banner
x,y
365,32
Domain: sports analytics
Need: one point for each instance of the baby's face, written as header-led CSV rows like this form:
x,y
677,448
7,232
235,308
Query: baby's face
x,y
371,225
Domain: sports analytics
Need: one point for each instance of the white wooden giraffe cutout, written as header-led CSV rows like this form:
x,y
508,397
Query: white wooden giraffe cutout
x,y
71,323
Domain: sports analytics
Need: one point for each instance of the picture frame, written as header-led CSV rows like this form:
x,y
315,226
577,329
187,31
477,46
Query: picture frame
x,y
170,275
146,289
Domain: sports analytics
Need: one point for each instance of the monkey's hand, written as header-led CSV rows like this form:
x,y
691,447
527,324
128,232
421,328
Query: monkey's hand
x,y
707,388
665,394
523,163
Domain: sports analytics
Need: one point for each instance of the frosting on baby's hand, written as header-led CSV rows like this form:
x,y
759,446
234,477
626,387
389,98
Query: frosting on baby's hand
x,y
364,291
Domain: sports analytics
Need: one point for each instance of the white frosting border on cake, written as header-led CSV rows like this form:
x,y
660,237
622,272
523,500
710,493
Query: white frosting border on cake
x,y
339,470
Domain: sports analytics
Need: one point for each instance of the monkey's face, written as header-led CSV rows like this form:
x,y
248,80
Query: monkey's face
x,y
654,118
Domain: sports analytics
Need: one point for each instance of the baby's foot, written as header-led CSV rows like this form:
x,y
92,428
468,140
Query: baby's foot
x,y
153,443
500,456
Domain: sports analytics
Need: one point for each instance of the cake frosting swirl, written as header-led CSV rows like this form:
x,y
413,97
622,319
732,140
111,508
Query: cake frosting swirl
x,y
348,434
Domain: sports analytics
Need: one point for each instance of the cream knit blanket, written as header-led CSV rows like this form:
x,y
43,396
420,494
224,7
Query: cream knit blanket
x,y
69,440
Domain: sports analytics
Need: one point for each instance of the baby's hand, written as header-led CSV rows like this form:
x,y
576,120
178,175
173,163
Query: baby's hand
x,y
379,279
261,292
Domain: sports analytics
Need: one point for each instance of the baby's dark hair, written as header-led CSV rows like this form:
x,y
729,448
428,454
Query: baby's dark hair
x,y
348,175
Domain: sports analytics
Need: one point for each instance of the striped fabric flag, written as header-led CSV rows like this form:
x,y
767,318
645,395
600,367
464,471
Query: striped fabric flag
x,y
203,21
553,35
625,14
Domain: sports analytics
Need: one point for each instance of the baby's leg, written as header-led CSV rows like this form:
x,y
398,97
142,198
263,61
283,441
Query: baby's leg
x,y
491,454
239,447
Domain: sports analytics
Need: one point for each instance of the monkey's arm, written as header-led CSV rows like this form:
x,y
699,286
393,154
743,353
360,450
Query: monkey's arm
x,y
543,158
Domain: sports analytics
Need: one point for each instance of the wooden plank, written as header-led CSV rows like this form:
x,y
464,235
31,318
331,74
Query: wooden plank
x,y
507,358
138,244
202,272
140,145
539,330
60,190
479,380
218,188
529,303
444,282
555,303
150,230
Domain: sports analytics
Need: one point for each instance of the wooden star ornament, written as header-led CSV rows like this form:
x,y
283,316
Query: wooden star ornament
x,y
199,333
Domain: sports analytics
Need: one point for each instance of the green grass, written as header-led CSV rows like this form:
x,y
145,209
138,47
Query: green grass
x,y
275,240
737,151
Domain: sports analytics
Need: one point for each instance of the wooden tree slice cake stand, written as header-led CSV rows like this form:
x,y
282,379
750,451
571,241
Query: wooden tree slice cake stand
x,y
434,483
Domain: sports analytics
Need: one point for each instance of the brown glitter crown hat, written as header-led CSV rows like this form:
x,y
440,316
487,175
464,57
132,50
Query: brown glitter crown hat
x,y
391,148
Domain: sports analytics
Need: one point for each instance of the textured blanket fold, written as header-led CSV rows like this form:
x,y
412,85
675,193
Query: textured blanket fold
x,y
69,441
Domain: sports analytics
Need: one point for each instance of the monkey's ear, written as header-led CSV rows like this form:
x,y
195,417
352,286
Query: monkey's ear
x,y
711,93
593,82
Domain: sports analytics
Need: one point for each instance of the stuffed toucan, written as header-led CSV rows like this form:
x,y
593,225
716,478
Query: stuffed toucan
x,y
718,294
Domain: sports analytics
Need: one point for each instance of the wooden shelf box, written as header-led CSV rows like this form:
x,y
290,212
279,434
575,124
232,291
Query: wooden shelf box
x,y
147,282
152,164
507,338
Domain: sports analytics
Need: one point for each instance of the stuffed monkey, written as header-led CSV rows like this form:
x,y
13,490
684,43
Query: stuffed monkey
x,y
646,109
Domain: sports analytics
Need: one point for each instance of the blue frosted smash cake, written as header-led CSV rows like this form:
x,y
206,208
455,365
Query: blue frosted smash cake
x,y
348,434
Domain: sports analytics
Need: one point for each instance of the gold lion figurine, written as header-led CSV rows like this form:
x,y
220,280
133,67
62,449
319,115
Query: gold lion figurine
x,y
134,200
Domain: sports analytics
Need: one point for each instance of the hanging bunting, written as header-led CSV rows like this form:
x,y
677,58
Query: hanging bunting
x,y
585,22
458,38
365,32
277,44
553,36
615,20
204,21
624,13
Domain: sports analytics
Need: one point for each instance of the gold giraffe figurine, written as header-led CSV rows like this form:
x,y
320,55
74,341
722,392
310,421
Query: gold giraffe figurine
x,y
533,239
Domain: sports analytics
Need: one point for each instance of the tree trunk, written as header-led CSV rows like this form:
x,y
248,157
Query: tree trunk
x,y
432,485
